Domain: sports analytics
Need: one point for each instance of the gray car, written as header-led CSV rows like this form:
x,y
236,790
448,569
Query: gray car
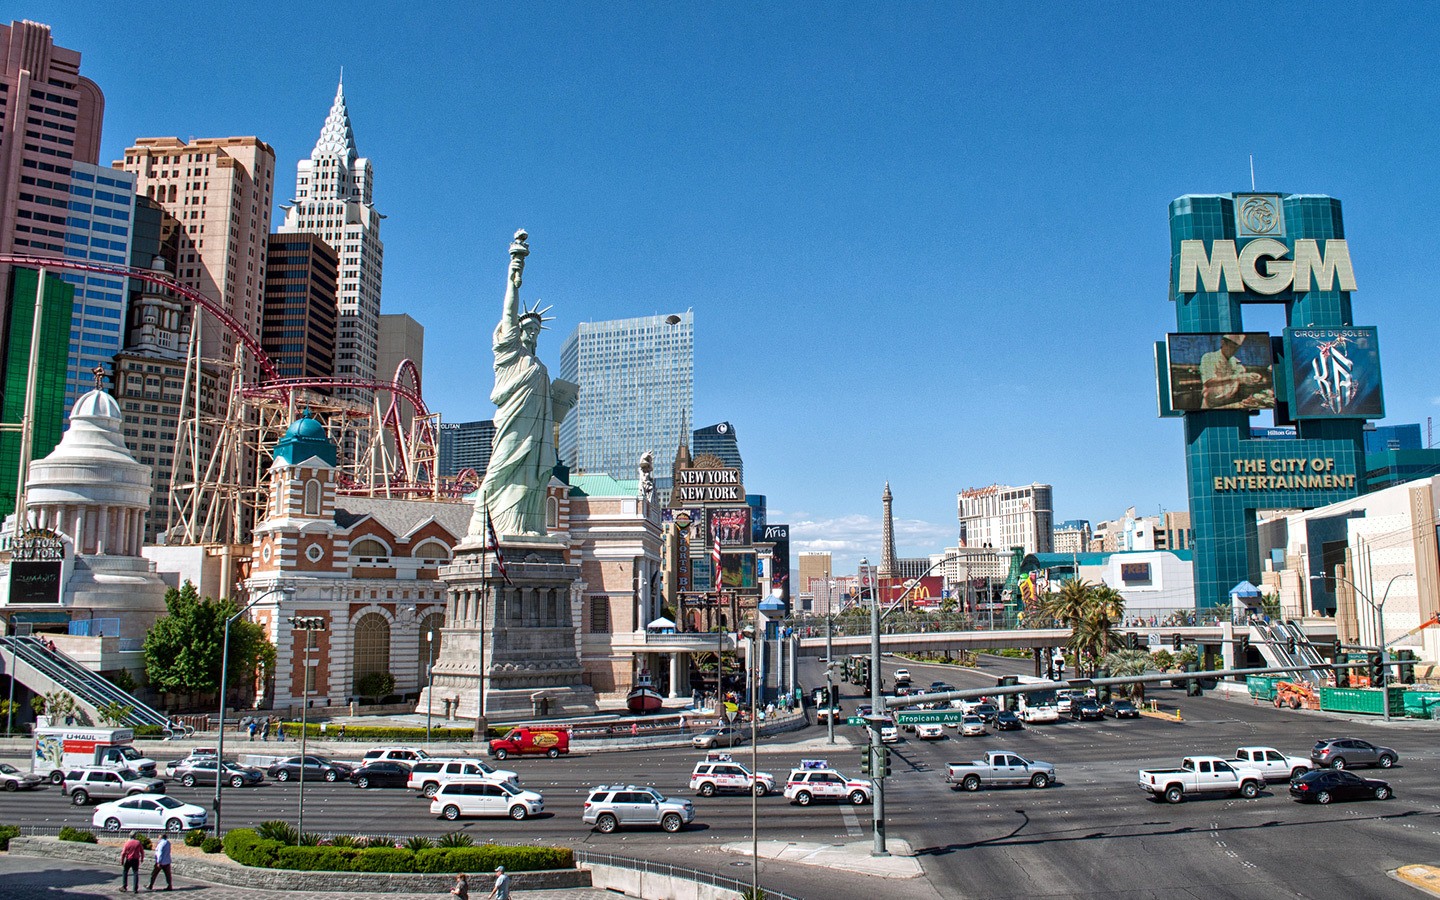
x,y
202,771
723,736
609,807
97,783
1342,753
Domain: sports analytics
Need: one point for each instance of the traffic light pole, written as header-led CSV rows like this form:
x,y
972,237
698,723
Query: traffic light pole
x,y
877,708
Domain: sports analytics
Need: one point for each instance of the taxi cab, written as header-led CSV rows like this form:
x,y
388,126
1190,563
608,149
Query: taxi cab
x,y
719,772
815,780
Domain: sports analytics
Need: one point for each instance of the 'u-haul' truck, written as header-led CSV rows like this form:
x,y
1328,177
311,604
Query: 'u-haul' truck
x,y
60,749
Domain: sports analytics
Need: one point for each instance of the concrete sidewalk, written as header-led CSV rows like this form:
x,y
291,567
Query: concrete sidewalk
x,y
853,857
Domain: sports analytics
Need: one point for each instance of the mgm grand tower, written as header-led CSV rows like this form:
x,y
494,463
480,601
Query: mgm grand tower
x,y
1321,376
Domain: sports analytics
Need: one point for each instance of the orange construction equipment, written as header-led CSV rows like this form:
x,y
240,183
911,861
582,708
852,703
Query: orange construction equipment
x,y
1296,695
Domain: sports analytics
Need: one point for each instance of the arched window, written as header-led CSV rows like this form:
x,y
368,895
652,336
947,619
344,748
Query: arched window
x,y
552,512
432,550
428,626
372,647
312,497
368,547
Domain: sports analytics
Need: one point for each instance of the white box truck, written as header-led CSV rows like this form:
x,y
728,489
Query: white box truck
x,y
59,749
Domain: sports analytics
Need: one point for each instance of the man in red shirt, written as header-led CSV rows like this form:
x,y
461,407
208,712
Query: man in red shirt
x,y
130,856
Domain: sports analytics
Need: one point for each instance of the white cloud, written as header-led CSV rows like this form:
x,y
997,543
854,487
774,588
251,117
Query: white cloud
x,y
848,538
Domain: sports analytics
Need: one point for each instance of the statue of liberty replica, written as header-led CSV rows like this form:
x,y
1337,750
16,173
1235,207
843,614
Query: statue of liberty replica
x,y
508,647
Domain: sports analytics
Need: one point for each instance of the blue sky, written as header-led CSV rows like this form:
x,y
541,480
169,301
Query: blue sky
x,y
923,242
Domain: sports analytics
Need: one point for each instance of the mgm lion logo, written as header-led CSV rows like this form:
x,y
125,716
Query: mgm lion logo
x,y
1259,215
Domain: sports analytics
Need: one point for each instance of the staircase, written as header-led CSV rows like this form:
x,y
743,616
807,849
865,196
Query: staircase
x,y
43,671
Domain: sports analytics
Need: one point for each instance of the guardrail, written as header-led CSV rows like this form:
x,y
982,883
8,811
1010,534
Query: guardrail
x,y
589,858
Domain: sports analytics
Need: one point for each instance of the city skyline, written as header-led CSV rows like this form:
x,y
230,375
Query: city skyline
x,y
869,212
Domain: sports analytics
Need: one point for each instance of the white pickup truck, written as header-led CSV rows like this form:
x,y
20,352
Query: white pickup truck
x,y
1201,775
1273,764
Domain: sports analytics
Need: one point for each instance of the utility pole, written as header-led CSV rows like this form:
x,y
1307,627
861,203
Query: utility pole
x,y
877,709
829,673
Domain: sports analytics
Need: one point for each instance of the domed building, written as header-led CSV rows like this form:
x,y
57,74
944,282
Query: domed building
x,y
76,569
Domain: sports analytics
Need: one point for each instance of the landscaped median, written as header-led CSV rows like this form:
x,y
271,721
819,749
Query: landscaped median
x,y
256,862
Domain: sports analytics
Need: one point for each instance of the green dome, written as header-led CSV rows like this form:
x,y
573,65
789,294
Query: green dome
x,y
304,439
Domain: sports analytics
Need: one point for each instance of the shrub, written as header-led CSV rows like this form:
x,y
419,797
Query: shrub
x,y
455,839
149,731
384,859
6,833
212,844
195,837
418,843
375,684
486,857
382,734
249,849
316,859
144,840
345,840
278,830
311,839
77,834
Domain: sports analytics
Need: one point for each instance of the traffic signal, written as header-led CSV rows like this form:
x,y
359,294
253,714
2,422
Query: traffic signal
x,y
1242,650
865,760
307,623
1407,666
884,762
1132,641
1290,644
1377,671
1175,642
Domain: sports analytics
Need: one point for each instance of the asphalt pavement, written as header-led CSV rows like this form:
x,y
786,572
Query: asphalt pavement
x,y
1093,834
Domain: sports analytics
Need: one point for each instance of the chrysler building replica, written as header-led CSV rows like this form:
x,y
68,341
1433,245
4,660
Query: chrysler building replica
x,y
333,200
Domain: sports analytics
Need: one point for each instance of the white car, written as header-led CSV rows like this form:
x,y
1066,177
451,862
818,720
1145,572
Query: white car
x,y
889,734
151,812
1064,702
485,798
1035,714
972,725
929,732
408,755
902,675
428,775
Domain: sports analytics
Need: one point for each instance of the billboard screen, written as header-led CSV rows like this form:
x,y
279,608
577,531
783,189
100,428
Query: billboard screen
x,y
926,591
737,571
1220,371
34,582
730,527
1336,372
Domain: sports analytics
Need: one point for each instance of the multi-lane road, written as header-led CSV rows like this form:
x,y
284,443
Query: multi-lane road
x,y
1094,833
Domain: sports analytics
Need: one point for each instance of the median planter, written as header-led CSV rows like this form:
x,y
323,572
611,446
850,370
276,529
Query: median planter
x,y
225,871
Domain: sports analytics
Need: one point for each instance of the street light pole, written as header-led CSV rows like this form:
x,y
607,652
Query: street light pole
x,y
1379,609
829,669
877,708
286,591
754,767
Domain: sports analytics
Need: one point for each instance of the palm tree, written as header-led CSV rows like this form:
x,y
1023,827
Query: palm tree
x,y
1067,606
1093,636
1128,663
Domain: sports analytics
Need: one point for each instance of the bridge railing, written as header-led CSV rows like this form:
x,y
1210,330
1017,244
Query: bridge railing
x,y
915,622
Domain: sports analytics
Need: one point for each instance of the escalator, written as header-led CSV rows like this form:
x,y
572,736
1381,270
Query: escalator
x,y
43,670
1274,640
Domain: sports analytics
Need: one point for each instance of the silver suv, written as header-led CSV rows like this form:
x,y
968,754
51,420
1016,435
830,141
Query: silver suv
x,y
94,782
609,806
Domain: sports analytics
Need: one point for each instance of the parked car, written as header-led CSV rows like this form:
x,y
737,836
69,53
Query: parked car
x,y
609,807
1000,768
1086,709
720,772
1201,775
99,783
930,732
1341,753
1035,714
719,736
1005,720
427,776
202,771
149,813
485,798
315,768
1273,764
1121,709
381,773
1324,785
15,780
971,725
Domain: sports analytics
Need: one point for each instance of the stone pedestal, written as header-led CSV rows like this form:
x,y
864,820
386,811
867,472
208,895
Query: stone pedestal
x,y
526,630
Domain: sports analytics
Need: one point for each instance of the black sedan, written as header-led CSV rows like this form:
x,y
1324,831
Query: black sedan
x,y
1005,720
1324,785
1086,708
986,711
381,773
316,768
1121,709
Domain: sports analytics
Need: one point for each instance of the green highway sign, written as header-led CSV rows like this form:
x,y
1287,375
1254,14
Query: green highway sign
x,y
855,720
938,717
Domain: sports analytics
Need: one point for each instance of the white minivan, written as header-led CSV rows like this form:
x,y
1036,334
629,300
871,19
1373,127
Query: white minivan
x,y
427,776
485,798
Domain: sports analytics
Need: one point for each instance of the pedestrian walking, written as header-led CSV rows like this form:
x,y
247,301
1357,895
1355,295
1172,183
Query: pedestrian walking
x,y
501,890
342,731
462,887
130,857
280,733
253,724
162,863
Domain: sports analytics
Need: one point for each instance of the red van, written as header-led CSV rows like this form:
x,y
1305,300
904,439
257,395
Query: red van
x,y
550,741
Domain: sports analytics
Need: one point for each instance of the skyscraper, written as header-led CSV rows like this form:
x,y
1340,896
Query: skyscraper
x,y
55,301
636,380
466,445
98,230
1001,517
720,441
334,199
298,332
50,118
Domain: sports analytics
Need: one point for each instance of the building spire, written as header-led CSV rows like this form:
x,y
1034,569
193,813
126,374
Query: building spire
x,y
337,139
887,540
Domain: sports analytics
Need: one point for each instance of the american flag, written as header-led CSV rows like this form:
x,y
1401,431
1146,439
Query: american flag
x,y
492,545
715,558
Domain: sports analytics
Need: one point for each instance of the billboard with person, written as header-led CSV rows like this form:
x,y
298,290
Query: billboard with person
x,y
1220,371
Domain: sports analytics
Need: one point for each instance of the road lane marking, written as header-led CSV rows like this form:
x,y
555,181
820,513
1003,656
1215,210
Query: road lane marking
x,y
852,821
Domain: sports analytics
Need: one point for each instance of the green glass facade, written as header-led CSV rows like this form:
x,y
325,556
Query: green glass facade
x,y
50,379
1229,475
